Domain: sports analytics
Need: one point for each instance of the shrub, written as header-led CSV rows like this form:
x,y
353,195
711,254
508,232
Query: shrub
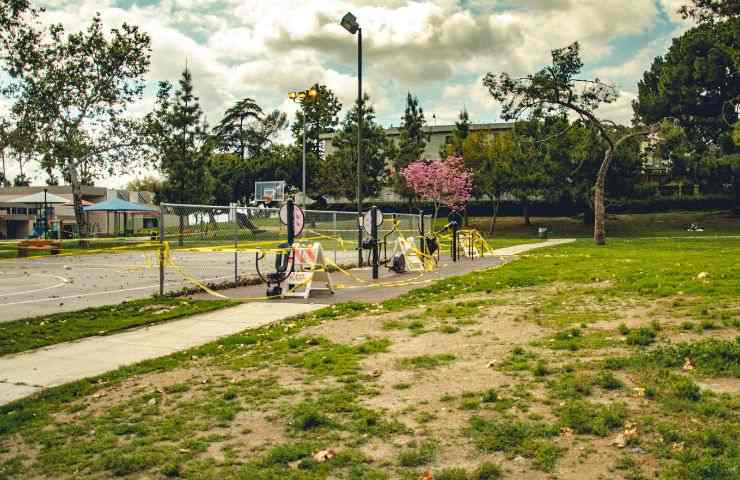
x,y
642,336
416,456
686,389
487,471
451,474
588,418
608,381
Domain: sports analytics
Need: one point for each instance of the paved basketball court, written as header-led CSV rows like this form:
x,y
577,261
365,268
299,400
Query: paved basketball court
x,y
50,284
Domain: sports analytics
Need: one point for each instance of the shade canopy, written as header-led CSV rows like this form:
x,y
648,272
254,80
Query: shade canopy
x,y
38,198
118,205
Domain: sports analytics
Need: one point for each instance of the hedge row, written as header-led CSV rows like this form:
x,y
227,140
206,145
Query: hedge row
x,y
564,208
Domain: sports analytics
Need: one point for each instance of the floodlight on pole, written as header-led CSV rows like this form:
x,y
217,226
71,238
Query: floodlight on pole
x,y
298,97
349,22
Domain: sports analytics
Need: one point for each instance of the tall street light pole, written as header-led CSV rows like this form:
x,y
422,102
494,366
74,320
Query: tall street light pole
x,y
349,22
299,97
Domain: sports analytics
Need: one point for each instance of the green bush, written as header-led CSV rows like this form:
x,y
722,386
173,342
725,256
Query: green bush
x,y
416,456
608,381
487,471
589,418
642,336
686,389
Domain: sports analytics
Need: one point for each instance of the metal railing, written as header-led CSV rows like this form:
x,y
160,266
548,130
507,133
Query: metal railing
x,y
215,244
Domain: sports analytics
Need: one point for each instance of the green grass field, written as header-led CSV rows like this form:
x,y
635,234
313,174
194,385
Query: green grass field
x,y
581,361
30,333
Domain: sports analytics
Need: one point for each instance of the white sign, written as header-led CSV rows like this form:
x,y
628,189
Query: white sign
x,y
367,220
298,218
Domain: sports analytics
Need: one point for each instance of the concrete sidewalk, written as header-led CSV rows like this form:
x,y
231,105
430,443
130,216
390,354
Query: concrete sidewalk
x,y
525,247
26,373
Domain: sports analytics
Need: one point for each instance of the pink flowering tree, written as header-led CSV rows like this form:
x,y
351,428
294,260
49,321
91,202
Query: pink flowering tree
x,y
444,182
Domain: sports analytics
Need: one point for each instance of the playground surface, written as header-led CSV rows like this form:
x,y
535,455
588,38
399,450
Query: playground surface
x,y
51,284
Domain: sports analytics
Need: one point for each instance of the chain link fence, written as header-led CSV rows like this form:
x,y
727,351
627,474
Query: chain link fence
x,y
217,244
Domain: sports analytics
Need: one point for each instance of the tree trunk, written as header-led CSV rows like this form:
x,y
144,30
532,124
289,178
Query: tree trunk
x,y
77,200
525,213
599,208
736,184
496,203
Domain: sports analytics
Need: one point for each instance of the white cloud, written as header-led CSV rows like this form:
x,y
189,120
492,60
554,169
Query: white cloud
x,y
438,49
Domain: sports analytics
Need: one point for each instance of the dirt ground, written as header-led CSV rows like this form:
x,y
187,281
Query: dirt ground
x,y
478,334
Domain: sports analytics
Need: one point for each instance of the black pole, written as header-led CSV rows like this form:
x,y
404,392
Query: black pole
x,y
290,220
455,228
161,249
46,215
374,234
359,145
422,237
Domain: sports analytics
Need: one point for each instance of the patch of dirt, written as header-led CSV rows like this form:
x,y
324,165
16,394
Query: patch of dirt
x,y
720,385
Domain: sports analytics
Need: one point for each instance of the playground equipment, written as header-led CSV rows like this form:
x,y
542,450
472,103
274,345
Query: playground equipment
x,y
292,217
370,222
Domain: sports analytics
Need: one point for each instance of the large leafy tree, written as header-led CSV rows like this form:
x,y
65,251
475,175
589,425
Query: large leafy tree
x,y
697,83
233,132
76,87
411,143
491,157
558,88
338,171
711,10
181,144
245,137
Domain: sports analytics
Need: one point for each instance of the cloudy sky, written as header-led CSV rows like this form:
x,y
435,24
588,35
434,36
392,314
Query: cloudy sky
x,y
437,49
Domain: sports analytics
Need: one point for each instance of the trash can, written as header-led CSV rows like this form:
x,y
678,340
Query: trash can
x,y
542,233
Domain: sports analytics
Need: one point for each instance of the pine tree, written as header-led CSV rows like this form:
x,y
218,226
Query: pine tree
x,y
181,143
411,143
461,132
338,172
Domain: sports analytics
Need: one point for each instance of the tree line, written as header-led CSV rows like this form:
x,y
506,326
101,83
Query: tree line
x,y
71,94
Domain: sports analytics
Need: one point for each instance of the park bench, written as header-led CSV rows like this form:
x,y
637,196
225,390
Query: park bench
x,y
53,246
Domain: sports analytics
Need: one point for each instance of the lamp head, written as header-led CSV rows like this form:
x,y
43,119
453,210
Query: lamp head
x,y
349,22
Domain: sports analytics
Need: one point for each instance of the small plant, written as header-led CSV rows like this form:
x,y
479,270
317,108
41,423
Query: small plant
x,y
451,474
608,381
490,396
540,369
415,456
308,416
686,389
487,471
623,329
642,336
588,418
426,361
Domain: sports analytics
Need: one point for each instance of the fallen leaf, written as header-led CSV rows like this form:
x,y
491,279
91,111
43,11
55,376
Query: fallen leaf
x,y
325,455
427,476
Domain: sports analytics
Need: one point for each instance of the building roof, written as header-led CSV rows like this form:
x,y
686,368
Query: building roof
x,y
438,129
39,198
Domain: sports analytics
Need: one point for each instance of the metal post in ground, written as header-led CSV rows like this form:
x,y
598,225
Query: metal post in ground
x,y
422,242
374,235
455,229
290,221
336,233
236,244
161,250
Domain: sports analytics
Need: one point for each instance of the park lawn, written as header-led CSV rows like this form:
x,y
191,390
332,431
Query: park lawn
x,y
573,362
617,225
29,333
